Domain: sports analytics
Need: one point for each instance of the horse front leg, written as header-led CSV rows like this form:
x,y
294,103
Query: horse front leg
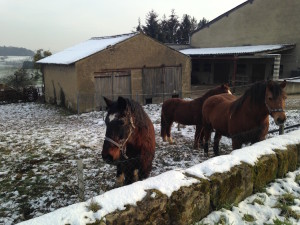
x,y
197,136
217,139
120,177
236,143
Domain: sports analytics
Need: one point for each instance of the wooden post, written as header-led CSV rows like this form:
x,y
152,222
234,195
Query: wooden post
x,y
281,129
80,179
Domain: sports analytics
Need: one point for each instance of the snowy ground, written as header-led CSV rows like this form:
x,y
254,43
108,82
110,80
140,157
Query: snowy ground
x,y
279,203
39,146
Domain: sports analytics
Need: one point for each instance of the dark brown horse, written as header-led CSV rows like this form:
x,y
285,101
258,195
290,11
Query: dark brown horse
x,y
186,112
244,119
129,140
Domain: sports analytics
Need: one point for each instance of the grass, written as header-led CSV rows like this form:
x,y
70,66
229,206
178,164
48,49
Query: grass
x,y
248,218
279,222
258,201
284,202
93,206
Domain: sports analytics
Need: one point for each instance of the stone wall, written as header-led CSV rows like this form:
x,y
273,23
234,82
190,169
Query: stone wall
x,y
190,204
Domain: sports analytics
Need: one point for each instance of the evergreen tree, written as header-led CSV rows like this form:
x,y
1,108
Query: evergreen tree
x,y
187,26
202,22
173,26
164,30
139,27
152,27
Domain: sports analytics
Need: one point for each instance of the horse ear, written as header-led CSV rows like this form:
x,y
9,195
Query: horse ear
x,y
283,84
122,103
270,83
108,101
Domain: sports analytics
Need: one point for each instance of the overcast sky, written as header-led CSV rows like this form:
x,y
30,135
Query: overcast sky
x,y
58,24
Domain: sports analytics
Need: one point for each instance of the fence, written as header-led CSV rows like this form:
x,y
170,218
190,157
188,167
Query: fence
x,y
42,183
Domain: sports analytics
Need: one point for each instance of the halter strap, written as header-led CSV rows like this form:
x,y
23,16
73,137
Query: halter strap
x,y
273,110
122,146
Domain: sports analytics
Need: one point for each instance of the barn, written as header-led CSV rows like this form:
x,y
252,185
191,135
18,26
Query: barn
x,y
254,41
131,65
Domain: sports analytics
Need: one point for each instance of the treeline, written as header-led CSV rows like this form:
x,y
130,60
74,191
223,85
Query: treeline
x,y
171,29
15,51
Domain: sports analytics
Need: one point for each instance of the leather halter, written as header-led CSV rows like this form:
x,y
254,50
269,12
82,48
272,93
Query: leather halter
x,y
273,110
122,145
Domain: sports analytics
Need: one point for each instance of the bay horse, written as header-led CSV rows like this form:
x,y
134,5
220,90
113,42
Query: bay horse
x,y
186,112
129,140
244,119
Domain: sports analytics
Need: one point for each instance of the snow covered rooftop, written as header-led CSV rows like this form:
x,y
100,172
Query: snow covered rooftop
x,y
84,49
251,49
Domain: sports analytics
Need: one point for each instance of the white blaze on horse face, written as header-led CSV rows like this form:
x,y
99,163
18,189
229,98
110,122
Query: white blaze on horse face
x,y
229,92
112,117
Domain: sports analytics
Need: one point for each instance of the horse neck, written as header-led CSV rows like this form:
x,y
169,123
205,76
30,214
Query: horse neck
x,y
258,111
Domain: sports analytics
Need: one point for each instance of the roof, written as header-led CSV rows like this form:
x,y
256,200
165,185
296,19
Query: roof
x,y
85,49
253,49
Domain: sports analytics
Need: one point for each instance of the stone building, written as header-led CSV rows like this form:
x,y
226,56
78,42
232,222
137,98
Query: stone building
x,y
254,41
130,65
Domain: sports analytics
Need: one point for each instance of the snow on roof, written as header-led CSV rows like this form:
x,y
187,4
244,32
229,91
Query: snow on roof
x,y
166,183
236,50
84,49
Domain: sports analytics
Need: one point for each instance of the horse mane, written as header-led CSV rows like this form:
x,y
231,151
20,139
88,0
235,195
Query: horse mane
x,y
213,91
256,93
138,112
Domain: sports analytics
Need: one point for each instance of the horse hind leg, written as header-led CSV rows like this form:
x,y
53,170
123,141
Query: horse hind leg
x,y
168,129
165,126
206,132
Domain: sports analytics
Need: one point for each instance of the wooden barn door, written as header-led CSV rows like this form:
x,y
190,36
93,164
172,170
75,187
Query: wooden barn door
x,y
161,82
111,85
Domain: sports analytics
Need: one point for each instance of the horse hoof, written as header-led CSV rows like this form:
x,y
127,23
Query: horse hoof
x,y
171,142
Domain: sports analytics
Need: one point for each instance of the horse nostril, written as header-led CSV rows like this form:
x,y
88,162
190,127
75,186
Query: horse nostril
x,y
280,121
107,157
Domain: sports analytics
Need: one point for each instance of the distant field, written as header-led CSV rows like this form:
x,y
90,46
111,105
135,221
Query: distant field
x,y
9,64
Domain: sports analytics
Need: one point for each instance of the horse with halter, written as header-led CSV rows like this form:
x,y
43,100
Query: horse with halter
x,y
129,140
186,113
244,119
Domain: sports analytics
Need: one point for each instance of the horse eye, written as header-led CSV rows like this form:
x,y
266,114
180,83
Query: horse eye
x,y
270,98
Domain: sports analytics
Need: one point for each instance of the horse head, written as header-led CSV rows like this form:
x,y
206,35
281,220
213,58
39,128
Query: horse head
x,y
226,89
275,98
119,129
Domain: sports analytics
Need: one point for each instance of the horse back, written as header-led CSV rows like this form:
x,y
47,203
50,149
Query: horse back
x,y
181,111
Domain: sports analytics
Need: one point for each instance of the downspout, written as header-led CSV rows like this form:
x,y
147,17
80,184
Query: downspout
x,y
276,68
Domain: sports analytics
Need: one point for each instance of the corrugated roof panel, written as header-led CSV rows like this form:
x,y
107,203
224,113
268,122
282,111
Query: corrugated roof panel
x,y
84,49
235,50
